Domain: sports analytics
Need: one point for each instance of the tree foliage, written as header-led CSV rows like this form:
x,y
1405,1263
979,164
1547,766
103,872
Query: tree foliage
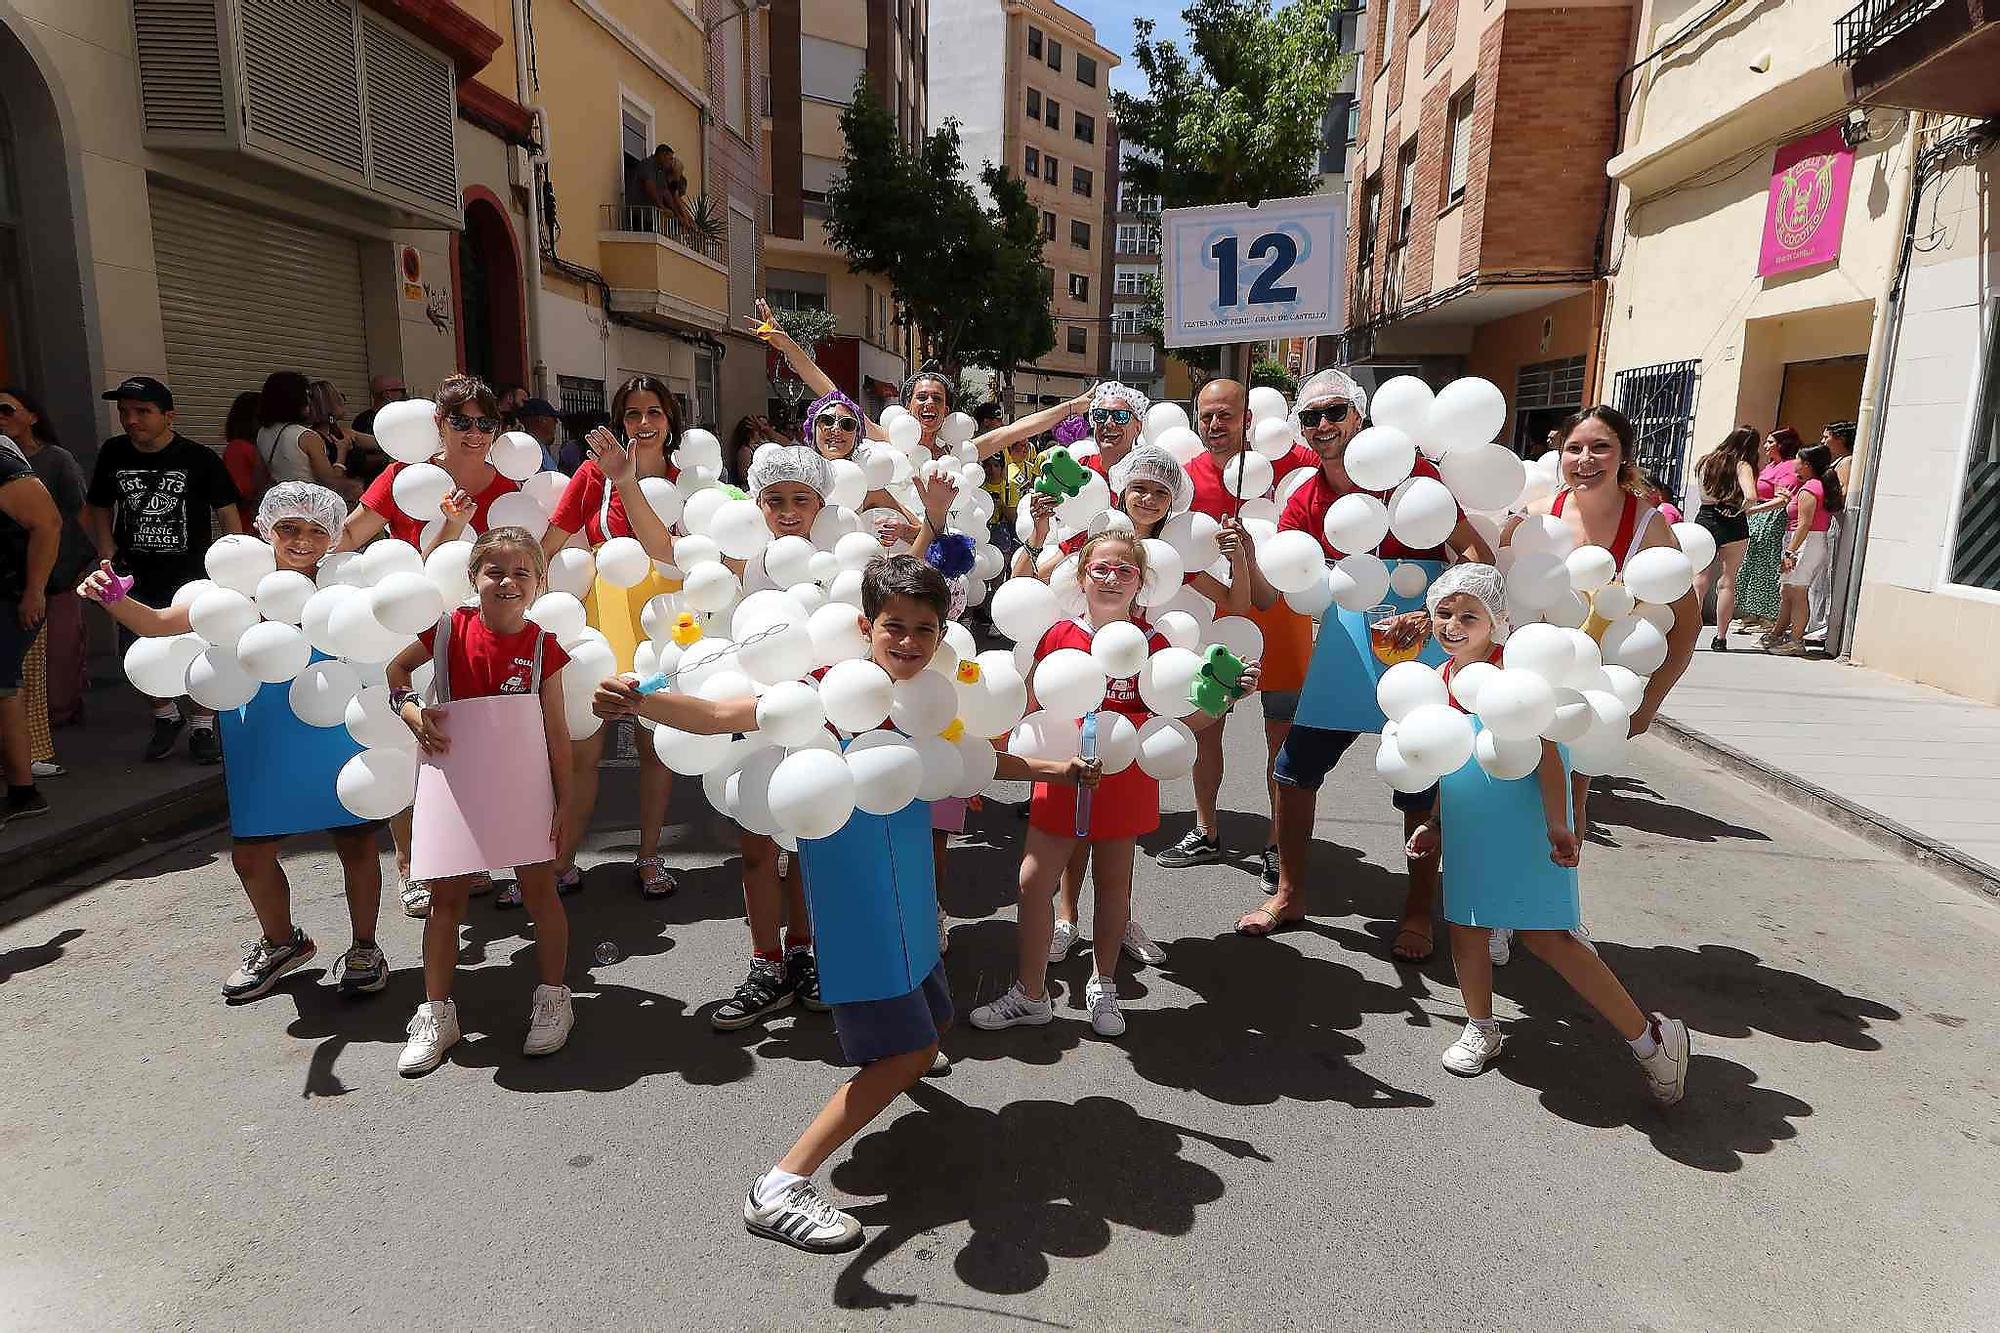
x,y
967,275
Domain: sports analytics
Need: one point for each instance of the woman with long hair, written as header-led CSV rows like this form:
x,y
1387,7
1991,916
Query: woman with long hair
x,y
1808,516
53,676
240,457
604,500
286,440
1757,577
1728,477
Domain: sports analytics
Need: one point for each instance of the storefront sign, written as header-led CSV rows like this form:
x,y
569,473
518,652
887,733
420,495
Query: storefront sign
x,y
1242,273
1808,203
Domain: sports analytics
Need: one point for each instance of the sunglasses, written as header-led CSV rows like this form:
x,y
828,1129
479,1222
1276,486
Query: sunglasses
x,y
832,422
1122,415
1113,575
1309,417
460,421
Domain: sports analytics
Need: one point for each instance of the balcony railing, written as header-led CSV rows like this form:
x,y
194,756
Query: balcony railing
x,y
661,222
1131,369
1872,23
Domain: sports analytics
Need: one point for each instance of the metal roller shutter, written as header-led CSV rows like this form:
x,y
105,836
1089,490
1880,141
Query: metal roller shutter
x,y
243,294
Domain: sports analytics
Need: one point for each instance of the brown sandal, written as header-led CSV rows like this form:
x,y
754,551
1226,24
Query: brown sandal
x,y
1274,923
1400,954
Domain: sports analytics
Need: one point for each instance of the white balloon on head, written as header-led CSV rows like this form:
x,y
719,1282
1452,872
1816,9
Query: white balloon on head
x,y
239,562
1507,758
1404,404
1358,582
407,431
321,692
221,615
515,455
282,595
1356,523
1406,687
1516,704
1486,476
376,784
1466,414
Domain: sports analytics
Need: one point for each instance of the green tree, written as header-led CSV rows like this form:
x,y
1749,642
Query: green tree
x,y
1013,325
1233,118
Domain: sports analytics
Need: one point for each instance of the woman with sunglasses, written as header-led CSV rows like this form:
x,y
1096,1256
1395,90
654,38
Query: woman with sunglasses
x,y
1111,570
605,500
468,420
833,428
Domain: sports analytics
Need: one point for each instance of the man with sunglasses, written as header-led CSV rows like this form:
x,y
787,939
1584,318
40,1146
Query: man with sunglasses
x,y
1222,419
1329,415
1116,415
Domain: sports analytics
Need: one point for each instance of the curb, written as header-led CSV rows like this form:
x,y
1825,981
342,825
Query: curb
x,y
1878,830
47,860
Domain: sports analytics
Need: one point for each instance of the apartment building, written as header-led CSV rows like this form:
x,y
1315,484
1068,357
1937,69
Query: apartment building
x,y
1481,136
1029,85
816,53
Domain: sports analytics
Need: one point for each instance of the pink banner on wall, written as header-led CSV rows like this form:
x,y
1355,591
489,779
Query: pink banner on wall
x,y
1808,203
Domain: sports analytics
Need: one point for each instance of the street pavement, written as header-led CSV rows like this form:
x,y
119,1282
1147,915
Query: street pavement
x,y
1273,1144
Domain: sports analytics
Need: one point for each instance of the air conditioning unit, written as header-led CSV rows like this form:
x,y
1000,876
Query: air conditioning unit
x,y
305,95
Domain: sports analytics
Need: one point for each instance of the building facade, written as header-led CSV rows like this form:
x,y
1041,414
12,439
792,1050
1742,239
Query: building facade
x,y
816,53
1042,111
1135,358
1481,134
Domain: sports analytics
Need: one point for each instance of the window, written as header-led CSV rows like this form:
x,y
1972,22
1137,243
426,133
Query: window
x,y
1048,225
828,71
1406,189
1975,547
1133,359
1371,223
1138,238
816,178
1079,286
1055,54
1035,43
1388,32
1086,70
1660,401
1128,282
1460,121
1079,235
1079,340
1086,128
1034,161
1333,134
735,79
1052,113
580,395
635,145
1081,181
1051,169
1131,201
1034,104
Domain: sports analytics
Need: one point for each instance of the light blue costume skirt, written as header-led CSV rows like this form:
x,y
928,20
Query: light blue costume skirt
x,y
1497,870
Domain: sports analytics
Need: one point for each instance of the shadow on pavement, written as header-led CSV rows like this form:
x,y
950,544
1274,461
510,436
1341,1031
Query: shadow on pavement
x,y
28,957
1035,1180
1630,803
1730,992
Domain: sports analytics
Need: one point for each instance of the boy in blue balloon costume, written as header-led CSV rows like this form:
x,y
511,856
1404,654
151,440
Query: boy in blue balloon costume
x,y
281,771
873,895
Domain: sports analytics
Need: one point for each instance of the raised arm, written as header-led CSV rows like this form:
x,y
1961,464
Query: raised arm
x,y
993,441
766,327
616,462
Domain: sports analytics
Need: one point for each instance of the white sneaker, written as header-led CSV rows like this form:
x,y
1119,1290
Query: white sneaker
x,y
433,1031
549,1027
416,898
1012,1010
1500,945
1582,936
1101,998
1667,1068
1139,945
944,933
1061,940
800,1217
1473,1050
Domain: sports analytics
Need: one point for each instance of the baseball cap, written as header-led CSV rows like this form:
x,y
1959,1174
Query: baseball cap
x,y
536,407
144,388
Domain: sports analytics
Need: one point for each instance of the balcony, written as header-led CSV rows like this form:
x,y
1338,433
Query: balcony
x,y
659,272
1923,55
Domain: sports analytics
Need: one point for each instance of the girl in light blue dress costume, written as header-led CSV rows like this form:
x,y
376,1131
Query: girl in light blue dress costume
x,y
1511,848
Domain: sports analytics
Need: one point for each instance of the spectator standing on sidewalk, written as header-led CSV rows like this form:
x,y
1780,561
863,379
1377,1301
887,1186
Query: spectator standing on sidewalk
x,y
286,441
241,459
1808,516
156,502
1728,479
538,417
54,676
1757,580
1838,440
30,533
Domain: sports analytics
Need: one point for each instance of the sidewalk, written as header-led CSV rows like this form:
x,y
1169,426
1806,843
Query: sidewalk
x,y
1912,769
110,801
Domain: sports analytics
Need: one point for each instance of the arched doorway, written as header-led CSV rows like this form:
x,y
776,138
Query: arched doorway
x,y
486,272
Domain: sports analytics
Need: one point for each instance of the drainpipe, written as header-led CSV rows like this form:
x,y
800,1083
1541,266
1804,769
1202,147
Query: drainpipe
x,y
537,158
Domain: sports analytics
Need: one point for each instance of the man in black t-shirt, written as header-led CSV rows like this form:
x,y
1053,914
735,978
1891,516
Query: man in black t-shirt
x,y
157,500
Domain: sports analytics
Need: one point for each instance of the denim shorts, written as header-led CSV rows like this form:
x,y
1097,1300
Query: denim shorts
x,y
1280,705
1309,754
872,1030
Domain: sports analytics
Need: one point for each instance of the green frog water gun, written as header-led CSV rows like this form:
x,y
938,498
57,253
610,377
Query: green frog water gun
x,y
1219,683
1061,475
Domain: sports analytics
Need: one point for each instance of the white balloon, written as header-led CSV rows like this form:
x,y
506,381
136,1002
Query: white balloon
x,y
1635,644
376,784
1696,544
159,667
1536,580
272,651
1292,561
978,761
887,771
572,570
1422,513
1069,683
1398,772
1590,568
1487,477
239,562
1435,738
406,604
1119,649
407,430
1163,417
1659,574
1043,736
1572,717
360,637
1024,609
1404,404
857,695
189,591
217,680
517,509
782,654
1240,635
709,587
1356,523
1358,581
1179,628
373,724
1379,458
993,703
856,550
1164,572
1248,475
623,563
1166,749
1117,742
1466,414
316,618
420,490
1505,758
1543,532
1408,686
943,768
1516,704
1272,437
1614,602
559,613
1408,578
1266,403
1182,443
739,529
1545,650
687,753
221,615
1628,685
1570,610
1314,598
812,794
281,595
1193,535
836,634
1588,659
546,490
387,556
1465,683
1164,683
788,560
698,448
515,455
924,705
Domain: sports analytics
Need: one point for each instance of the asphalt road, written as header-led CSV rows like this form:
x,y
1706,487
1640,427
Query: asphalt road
x,y
1272,1145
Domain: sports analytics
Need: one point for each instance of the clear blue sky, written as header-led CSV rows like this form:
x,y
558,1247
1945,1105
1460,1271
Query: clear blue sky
x,y
1113,19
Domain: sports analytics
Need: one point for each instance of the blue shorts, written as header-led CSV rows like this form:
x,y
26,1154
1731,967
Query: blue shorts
x,y
1309,754
872,1030
1280,705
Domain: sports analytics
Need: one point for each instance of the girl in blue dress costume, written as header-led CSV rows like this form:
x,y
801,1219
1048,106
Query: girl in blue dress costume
x,y
1510,855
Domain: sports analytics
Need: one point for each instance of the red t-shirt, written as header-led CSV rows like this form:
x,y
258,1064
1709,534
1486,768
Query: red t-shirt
x,y
582,506
1211,497
1306,512
1450,669
1120,695
381,497
484,663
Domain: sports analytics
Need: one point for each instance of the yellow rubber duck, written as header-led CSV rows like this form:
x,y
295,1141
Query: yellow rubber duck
x,y
686,629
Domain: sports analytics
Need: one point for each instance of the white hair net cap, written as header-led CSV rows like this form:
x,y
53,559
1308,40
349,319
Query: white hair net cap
x,y
1109,389
301,499
1322,385
791,463
1483,583
1155,464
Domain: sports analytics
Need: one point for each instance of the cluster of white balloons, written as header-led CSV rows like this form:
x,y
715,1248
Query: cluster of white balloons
x,y
408,433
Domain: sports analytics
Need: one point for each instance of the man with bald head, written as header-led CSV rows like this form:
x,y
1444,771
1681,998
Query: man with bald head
x,y
1222,419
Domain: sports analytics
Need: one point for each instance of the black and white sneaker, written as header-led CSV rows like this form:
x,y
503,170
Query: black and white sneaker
x,y
166,731
766,990
1270,870
1196,849
802,971
204,745
798,1216
362,970
265,963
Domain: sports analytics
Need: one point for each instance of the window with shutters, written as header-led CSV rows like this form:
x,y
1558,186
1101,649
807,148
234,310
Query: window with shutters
x,y
1079,340
1460,152
829,71
1975,546
1406,191
735,78
816,178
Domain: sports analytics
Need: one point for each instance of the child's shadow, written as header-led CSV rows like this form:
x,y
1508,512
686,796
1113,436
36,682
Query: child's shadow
x,y
28,957
1035,1179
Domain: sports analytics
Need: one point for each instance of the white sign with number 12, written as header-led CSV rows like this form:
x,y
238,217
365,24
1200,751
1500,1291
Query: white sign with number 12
x,y
1243,273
